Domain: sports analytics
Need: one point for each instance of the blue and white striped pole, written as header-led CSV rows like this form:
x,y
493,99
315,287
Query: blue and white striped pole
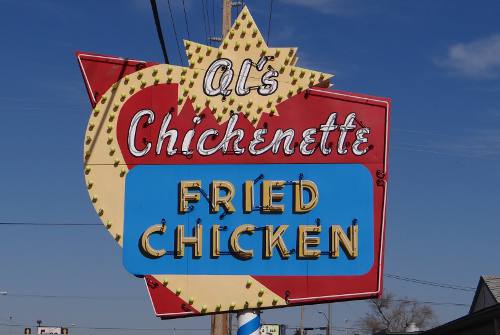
x,y
248,322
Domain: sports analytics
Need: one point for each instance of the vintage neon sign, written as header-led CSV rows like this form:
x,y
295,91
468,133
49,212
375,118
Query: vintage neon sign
x,y
239,181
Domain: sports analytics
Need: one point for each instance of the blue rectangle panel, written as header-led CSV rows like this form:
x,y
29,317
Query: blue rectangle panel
x,y
345,193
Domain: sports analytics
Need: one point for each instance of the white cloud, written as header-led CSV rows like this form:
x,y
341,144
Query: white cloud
x,y
323,6
477,59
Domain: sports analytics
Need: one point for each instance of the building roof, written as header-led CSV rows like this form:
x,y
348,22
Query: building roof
x,y
493,283
487,293
480,322
385,332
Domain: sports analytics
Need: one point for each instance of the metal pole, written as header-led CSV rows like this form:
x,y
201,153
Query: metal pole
x,y
248,322
329,327
301,320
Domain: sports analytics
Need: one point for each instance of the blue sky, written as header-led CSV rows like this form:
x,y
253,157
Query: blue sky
x,y
438,60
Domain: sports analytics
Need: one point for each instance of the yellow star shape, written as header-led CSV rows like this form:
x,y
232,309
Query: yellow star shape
x,y
244,41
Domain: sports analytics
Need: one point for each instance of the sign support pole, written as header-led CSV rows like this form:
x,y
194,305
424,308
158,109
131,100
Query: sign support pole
x,y
220,323
301,320
329,328
249,322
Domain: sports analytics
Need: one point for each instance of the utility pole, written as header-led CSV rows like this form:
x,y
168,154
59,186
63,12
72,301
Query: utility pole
x,y
220,324
227,6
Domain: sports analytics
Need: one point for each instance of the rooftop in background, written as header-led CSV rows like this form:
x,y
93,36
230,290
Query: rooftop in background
x,y
484,313
487,293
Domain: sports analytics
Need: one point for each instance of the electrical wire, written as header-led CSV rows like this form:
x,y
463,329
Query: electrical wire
x,y
296,327
431,283
122,298
186,19
44,224
213,18
159,32
72,297
210,32
269,23
418,148
234,11
421,132
387,275
175,31
116,328
436,303
204,20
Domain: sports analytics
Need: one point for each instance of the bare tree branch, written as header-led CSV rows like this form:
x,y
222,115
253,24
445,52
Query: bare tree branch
x,y
389,313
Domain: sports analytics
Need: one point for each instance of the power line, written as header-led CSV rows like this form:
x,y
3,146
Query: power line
x,y
295,327
175,31
73,297
116,328
44,224
213,18
234,8
204,20
387,275
186,19
431,283
206,4
269,23
437,303
122,298
417,148
422,132
159,32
